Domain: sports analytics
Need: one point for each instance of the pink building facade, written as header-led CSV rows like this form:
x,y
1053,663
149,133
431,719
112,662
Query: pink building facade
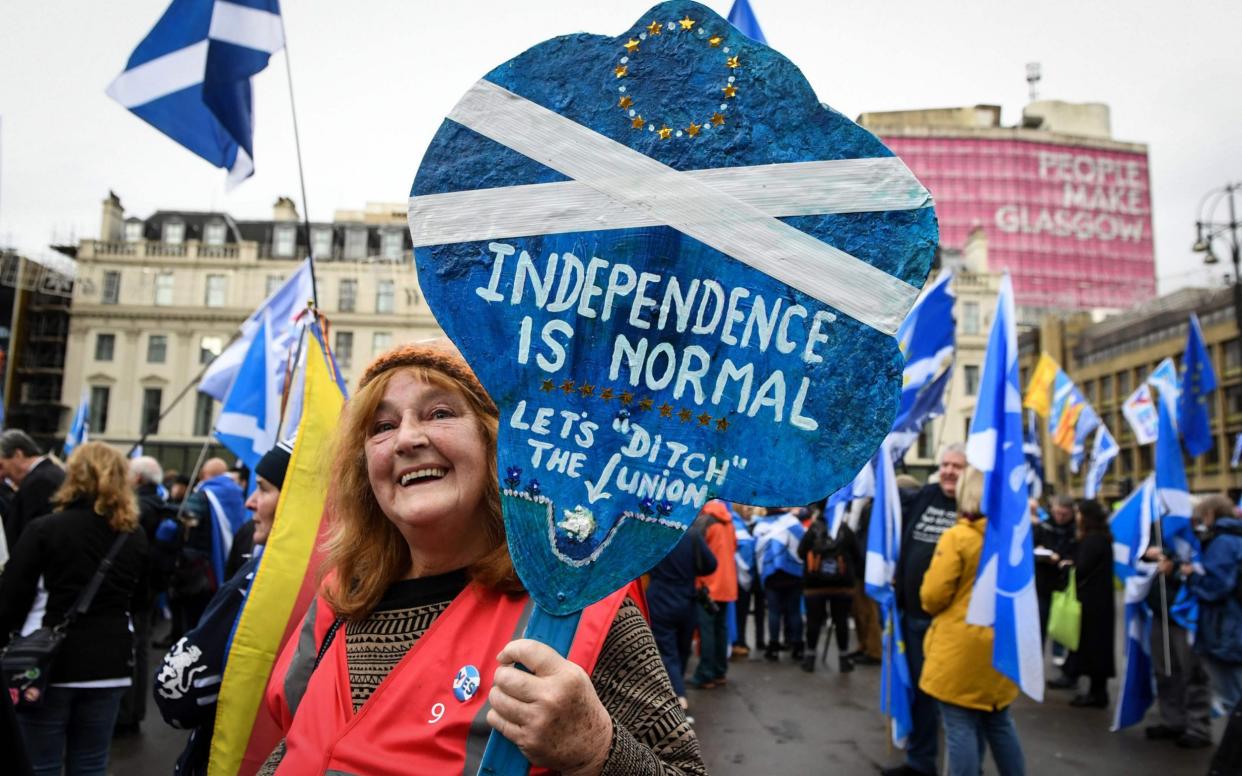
x,y
1071,223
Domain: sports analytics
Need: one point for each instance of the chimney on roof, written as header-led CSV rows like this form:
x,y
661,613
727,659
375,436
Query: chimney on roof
x,y
284,210
112,224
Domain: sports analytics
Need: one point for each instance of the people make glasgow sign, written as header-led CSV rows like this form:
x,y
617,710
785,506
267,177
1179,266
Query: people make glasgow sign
x,y
678,275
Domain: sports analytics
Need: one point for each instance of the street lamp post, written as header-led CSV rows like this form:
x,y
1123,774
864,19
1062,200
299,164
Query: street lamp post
x,y
1207,231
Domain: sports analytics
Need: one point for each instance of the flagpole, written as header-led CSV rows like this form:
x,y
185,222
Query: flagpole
x,y
297,144
1164,600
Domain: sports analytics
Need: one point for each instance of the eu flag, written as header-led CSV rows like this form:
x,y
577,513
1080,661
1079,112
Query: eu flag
x,y
1198,381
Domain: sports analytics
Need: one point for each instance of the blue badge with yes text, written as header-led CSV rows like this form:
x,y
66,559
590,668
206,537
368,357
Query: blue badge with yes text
x,y
678,275
466,683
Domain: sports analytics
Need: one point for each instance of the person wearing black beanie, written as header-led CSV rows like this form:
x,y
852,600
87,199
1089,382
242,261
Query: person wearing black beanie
x,y
202,653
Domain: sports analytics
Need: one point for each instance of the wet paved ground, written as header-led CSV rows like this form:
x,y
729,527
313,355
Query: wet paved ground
x,y
776,719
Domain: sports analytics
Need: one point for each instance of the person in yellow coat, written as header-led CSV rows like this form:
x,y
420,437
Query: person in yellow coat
x,y
974,698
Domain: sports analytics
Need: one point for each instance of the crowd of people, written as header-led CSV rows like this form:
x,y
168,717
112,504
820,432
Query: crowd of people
x,y
418,541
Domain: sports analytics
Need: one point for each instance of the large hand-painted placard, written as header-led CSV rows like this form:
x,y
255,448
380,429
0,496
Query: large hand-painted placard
x,y
678,275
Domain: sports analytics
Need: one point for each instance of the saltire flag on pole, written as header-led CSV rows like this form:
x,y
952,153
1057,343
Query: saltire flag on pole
x,y
1131,530
79,428
284,308
226,503
1034,457
1004,594
883,547
926,339
743,18
285,582
1103,452
190,77
1173,491
1088,421
862,486
251,412
1198,382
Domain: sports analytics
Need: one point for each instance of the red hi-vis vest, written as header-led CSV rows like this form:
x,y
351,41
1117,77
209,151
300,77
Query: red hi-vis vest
x,y
429,715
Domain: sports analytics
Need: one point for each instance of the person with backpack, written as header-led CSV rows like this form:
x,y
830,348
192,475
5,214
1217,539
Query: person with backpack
x,y
831,564
720,588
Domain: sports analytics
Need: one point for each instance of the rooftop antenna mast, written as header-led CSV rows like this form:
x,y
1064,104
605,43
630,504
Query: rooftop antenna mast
x,y
1033,74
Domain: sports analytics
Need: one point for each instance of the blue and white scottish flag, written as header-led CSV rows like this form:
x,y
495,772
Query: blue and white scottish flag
x,y
1131,525
926,339
1004,594
743,18
228,513
190,77
79,428
1173,491
1198,382
883,547
285,309
1167,384
1138,680
250,417
862,486
1103,452
1034,456
1088,421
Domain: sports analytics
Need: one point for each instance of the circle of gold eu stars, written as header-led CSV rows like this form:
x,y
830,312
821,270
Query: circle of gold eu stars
x,y
628,103
634,402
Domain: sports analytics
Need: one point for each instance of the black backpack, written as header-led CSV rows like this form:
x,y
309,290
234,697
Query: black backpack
x,y
827,563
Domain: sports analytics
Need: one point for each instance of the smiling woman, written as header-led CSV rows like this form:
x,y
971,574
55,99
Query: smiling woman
x,y
419,575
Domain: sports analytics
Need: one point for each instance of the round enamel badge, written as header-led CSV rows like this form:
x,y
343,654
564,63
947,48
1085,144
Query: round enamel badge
x,y
466,683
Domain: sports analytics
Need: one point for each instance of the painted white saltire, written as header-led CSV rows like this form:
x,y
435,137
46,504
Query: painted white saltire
x,y
225,529
244,26
160,77
726,223
779,190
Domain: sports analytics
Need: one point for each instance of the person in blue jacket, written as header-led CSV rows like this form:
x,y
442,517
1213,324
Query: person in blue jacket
x,y
671,601
190,674
1218,637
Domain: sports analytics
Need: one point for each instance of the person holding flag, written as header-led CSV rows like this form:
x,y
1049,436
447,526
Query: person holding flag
x,y
417,561
1215,584
188,681
926,514
974,697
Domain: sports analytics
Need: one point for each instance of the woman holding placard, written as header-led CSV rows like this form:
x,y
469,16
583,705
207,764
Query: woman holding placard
x,y
411,652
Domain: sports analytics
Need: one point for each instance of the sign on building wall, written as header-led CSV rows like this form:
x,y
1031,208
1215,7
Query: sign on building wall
x,y
1072,224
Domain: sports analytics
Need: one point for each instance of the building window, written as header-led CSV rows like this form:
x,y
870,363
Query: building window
x,y
133,231
1233,354
98,420
111,287
105,344
209,348
174,232
1123,384
971,373
217,289
356,243
213,233
391,245
157,348
164,289
381,341
204,414
347,295
384,296
344,348
273,282
321,242
1106,389
970,317
151,398
284,241
925,450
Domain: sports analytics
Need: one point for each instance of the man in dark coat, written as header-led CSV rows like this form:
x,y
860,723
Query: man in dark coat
x,y
35,476
927,514
1093,569
1055,540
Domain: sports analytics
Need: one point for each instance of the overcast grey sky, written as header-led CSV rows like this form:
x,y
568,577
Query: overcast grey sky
x,y
374,78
